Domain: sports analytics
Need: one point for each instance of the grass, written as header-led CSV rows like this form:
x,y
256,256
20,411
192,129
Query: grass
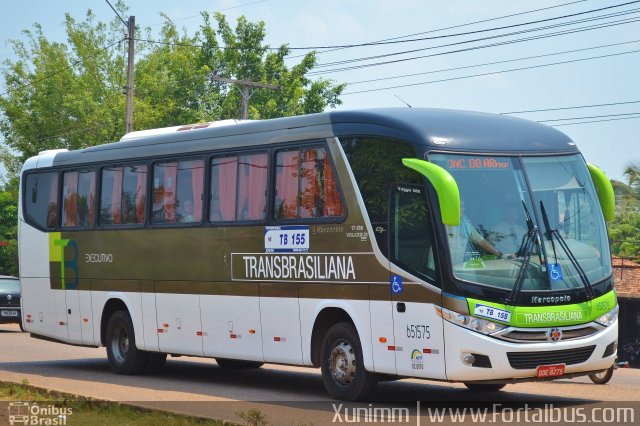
x,y
91,412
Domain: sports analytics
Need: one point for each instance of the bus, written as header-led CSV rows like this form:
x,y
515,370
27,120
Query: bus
x,y
374,244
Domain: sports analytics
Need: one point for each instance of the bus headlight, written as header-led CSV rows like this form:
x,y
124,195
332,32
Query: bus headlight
x,y
609,318
470,322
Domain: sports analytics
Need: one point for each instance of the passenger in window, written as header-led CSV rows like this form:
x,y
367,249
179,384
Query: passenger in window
x,y
166,214
187,211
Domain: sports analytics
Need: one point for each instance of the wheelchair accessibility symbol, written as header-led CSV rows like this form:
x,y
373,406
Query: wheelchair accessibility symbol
x,y
555,272
396,284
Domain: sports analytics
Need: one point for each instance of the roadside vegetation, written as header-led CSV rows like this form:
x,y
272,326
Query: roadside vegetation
x,y
92,412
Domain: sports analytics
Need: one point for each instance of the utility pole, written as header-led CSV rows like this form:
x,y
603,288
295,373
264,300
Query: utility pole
x,y
130,74
244,86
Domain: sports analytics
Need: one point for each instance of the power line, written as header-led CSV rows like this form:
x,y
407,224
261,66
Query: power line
x,y
503,43
491,73
464,25
563,32
571,107
586,117
386,42
221,10
490,63
596,121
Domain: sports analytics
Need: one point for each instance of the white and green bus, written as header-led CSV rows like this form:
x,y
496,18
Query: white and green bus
x,y
436,244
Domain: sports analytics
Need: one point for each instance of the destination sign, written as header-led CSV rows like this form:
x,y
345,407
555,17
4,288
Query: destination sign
x,y
477,163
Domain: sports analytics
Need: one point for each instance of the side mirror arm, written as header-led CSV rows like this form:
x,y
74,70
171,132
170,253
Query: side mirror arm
x,y
605,191
445,185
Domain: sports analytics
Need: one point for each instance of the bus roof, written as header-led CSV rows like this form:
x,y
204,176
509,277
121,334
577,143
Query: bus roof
x,y
427,129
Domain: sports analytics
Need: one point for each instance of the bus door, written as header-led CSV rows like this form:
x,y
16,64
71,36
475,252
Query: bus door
x,y
418,335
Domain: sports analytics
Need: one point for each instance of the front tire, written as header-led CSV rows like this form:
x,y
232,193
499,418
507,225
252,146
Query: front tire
x,y
124,357
342,365
484,387
602,377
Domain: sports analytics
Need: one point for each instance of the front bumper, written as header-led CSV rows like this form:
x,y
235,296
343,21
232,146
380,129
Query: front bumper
x,y
505,358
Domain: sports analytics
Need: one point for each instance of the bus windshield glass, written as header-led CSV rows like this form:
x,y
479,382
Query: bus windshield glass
x,y
533,223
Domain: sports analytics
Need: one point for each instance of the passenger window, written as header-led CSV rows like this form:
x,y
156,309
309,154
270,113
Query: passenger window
x,y
41,199
306,186
375,162
78,199
178,192
123,195
238,188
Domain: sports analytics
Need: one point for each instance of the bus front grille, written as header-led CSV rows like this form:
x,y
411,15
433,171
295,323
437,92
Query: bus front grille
x,y
529,360
538,335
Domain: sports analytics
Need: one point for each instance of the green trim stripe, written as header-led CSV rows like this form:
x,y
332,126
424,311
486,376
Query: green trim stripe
x,y
548,316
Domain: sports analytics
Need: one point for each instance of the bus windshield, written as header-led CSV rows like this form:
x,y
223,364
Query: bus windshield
x,y
532,223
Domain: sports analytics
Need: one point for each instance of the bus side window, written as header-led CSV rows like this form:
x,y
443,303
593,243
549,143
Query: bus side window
x,y
238,188
306,186
122,195
376,161
41,201
78,201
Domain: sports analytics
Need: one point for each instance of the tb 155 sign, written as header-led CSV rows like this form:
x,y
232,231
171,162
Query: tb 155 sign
x,y
286,239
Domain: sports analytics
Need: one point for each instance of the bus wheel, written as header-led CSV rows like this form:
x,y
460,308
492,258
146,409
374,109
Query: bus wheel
x,y
484,387
122,353
602,377
234,364
343,372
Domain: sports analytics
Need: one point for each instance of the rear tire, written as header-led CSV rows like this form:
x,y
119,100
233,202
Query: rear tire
x,y
234,364
484,387
342,365
124,357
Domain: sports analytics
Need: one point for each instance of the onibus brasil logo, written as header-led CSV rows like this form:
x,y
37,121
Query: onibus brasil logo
x,y
25,413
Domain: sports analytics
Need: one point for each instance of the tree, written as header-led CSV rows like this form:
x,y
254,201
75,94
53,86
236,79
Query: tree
x,y
8,234
632,173
70,95
624,233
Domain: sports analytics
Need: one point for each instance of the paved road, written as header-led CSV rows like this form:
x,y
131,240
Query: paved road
x,y
286,395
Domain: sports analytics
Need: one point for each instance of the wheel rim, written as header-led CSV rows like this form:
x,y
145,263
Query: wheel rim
x,y
120,345
342,363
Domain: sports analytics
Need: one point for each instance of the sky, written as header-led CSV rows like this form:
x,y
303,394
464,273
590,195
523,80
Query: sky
x,y
448,77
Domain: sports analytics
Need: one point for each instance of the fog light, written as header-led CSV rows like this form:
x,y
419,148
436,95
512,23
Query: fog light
x,y
468,359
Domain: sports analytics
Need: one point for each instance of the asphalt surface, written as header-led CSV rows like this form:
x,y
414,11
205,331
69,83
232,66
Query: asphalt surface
x,y
285,395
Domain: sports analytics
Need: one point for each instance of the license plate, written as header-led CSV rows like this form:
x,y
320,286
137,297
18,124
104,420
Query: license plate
x,y
550,370
9,313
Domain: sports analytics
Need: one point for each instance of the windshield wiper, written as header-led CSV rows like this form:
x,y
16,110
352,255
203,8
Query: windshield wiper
x,y
563,243
529,243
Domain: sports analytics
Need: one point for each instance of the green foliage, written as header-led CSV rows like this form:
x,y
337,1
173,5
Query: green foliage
x,y
71,95
8,233
624,233
253,417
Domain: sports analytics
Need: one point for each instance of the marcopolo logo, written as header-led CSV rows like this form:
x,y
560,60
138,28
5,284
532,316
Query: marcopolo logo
x,y
25,413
